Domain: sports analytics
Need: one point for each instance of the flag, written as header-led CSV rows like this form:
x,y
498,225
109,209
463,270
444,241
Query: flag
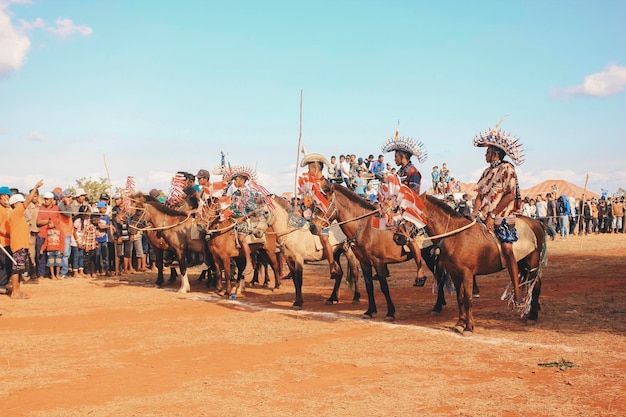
x,y
393,182
176,189
413,216
379,223
217,189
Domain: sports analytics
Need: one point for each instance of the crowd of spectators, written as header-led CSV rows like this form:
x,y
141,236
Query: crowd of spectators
x,y
72,237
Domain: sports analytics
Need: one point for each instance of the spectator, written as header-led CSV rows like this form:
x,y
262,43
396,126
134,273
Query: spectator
x,y
378,167
53,245
20,239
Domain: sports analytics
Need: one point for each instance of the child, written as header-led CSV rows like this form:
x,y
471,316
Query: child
x,y
78,241
54,244
20,239
91,245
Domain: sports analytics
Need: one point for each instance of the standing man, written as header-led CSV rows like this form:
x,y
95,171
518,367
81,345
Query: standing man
x,y
378,167
66,224
20,239
497,194
345,170
404,148
6,265
49,210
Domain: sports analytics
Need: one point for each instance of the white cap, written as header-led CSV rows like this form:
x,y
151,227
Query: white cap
x,y
48,195
79,192
16,198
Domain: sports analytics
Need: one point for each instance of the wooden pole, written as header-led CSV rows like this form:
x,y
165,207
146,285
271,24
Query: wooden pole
x,y
295,181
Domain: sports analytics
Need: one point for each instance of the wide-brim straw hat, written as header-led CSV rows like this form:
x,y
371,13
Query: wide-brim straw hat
x,y
314,157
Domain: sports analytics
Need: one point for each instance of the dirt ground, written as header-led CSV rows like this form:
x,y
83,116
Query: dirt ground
x,y
108,347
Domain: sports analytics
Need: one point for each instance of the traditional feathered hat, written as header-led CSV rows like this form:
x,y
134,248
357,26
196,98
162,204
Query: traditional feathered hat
x,y
406,144
241,171
502,140
315,157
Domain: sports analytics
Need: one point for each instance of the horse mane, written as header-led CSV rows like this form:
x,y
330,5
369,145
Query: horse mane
x,y
162,207
445,207
352,196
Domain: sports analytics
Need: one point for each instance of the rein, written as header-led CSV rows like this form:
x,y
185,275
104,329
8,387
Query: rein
x,y
327,218
450,233
147,229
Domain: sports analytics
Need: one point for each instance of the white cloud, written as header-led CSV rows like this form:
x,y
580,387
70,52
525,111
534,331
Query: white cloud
x,y
36,137
13,45
66,27
35,24
601,84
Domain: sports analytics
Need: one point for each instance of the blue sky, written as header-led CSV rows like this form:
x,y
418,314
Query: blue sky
x,y
159,86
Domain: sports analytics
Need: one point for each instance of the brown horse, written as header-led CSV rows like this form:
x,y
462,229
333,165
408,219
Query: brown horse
x,y
299,245
473,250
373,247
223,243
174,227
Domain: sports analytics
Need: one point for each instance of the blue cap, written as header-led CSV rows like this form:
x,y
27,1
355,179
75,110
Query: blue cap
x,y
5,190
101,204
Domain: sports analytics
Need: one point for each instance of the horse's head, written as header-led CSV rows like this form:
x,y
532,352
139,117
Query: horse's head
x,y
322,219
134,213
403,232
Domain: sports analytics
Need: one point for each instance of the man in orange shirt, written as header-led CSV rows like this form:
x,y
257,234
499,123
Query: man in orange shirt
x,y
66,224
20,238
49,210
6,264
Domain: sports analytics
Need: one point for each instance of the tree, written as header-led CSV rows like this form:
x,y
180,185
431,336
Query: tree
x,y
93,188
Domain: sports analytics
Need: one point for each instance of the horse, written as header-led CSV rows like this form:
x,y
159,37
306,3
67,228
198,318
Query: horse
x,y
469,249
375,248
298,245
175,228
223,245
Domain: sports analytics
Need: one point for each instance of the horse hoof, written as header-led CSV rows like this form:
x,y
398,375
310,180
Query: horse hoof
x,y
296,308
331,301
366,316
467,333
390,318
357,301
435,312
531,322
459,329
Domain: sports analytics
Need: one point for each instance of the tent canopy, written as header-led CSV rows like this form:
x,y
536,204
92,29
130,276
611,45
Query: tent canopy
x,y
562,187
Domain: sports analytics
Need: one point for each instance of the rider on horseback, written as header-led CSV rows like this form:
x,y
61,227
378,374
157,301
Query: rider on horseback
x,y
244,203
404,148
498,193
315,163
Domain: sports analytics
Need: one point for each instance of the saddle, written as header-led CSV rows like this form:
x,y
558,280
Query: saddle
x,y
335,236
526,241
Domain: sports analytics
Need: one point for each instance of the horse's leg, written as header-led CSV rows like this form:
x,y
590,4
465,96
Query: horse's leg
x,y
369,286
439,273
384,288
353,274
334,298
533,316
465,325
158,253
276,267
356,298
184,279
297,271
173,275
